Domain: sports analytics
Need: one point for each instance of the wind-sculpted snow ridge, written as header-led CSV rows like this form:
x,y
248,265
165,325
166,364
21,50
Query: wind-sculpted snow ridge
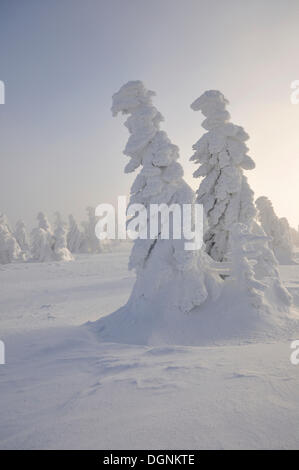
x,y
184,277
224,190
230,319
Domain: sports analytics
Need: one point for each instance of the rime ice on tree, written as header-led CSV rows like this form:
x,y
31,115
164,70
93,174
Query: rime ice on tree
x,y
92,243
242,269
21,237
277,229
266,270
162,266
61,251
224,190
9,248
42,240
74,237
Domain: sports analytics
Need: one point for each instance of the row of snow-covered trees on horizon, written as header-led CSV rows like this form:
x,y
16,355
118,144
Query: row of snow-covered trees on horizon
x,y
47,243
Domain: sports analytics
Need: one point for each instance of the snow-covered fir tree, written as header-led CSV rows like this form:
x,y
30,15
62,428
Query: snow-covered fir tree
x,y
286,232
224,191
9,248
75,239
294,236
22,239
92,243
43,222
167,274
4,221
277,230
266,270
42,240
61,252
242,270
41,245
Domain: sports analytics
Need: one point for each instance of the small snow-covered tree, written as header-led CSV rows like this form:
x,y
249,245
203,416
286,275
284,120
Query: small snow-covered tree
x,y
92,242
242,270
43,222
4,221
9,248
61,252
75,240
180,279
22,239
277,230
42,240
224,190
286,233
295,236
266,270
41,245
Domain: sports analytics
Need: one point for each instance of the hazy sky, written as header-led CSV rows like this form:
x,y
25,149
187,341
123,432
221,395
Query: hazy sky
x,y
61,60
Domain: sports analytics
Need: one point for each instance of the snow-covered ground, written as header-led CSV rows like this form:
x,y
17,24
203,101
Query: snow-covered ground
x,y
62,387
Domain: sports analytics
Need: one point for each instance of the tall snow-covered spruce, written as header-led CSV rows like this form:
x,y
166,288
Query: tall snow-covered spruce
x,y
168,276
224,190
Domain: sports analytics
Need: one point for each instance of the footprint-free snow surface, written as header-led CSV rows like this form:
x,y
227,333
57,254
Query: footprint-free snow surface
x,y
64,387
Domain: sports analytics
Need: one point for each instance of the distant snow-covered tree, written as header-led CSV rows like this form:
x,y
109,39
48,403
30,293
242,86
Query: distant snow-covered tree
x,y
41,245
61,252
294,236
75,240
277,229
9,248
178,278
242,270
266,270
224,190
22,239
92,242
4,221
43,222
42,240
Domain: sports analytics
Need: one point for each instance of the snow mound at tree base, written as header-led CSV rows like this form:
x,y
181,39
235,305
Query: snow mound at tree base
x,y
216,322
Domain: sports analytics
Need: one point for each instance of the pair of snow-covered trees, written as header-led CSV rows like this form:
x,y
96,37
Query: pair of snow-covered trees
x,y
48,244
167,275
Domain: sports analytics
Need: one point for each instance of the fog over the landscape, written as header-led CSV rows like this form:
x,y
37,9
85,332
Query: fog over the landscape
x,y
60,147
